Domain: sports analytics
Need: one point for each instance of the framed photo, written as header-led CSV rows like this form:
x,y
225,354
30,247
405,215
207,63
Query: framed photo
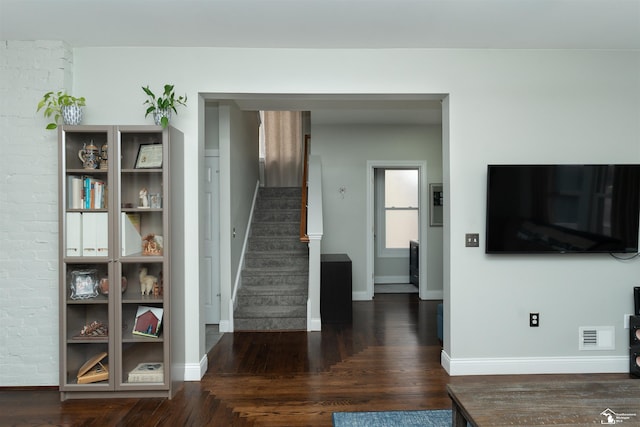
x,y
149,156
84,284
148,321
436,197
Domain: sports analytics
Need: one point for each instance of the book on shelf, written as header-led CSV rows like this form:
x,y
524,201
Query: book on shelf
x,y
147,373
148,321
85,192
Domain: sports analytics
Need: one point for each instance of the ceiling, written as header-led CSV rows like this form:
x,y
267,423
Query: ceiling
x,y
331,24
501,24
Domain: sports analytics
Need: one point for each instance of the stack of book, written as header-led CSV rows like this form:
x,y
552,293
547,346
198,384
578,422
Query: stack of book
x,y
85,192
147,373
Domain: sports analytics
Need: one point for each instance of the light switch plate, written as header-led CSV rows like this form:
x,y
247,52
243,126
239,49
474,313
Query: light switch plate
x,y
472,240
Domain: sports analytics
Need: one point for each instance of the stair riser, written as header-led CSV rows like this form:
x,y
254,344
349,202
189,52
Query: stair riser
x,y
293,324
275,229
270,311
274,244
291,281
280,192
273,300
275,203
277,215
289,262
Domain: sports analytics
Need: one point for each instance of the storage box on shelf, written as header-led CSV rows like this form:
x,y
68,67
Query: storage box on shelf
x,y
115,246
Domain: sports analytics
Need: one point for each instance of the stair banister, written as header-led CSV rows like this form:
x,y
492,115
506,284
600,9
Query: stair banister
x,y
314,232
305,188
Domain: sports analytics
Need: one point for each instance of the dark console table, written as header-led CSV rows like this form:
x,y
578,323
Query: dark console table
x,y
335,288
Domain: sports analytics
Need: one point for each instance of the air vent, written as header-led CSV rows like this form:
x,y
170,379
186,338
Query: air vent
x,y
596,338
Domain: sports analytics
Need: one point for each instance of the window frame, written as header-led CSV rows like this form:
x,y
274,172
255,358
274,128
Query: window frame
x,y
381,219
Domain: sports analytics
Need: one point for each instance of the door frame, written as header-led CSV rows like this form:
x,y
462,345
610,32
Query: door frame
x,y
423,189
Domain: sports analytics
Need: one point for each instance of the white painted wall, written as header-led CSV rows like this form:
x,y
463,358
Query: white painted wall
x,y
503,106
239,174
344,151
28,211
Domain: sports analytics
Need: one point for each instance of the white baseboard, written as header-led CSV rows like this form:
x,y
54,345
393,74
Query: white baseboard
x,y
225,326
432,295
314,325
534,365
360,296
195,371
385,280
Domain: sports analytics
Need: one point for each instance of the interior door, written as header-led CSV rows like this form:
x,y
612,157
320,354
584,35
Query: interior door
x,y
211,258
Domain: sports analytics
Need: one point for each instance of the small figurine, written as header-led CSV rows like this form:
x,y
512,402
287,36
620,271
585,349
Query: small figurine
x,y
147,282
144,198
152,245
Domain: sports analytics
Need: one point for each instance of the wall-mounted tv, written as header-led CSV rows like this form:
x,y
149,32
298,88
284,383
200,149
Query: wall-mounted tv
x,y
563,208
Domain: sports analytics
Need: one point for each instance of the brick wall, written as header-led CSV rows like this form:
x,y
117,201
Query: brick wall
x,y
28,211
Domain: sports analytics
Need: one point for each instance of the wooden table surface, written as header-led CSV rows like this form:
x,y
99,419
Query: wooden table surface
x,y
558,403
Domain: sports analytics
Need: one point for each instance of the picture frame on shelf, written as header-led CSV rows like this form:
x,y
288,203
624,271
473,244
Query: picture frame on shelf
x,y
84,284
436,196
148,321
149,156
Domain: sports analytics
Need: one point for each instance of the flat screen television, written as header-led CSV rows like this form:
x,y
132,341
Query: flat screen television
x,y
562,208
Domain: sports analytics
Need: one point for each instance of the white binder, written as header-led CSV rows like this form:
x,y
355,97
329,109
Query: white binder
x,y
131,240
95,234
102,233
74,234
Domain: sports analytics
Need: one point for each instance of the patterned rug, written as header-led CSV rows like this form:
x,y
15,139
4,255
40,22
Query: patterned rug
x,y
438,418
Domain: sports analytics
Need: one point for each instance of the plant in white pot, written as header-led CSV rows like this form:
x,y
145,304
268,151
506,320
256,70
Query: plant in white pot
x,y
60,104
162,105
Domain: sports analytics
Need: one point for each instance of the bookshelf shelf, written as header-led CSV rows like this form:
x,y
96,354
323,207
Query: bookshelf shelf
x,y
106,223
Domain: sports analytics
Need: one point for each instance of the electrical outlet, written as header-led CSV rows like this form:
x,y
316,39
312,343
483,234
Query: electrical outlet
x,y
472,240
534,320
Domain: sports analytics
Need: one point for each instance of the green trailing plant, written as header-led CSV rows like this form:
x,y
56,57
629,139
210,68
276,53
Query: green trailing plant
x,y
52,102
165,102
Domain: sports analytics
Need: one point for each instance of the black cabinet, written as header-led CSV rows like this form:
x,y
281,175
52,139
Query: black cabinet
x,y
335,288
414,262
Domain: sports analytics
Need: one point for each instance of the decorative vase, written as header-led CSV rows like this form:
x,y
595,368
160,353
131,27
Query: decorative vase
x,y
71,114
161,113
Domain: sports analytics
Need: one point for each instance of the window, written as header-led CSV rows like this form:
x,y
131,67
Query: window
x,y
398,210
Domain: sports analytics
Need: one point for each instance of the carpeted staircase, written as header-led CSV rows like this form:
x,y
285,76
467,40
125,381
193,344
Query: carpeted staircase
x,y
273,295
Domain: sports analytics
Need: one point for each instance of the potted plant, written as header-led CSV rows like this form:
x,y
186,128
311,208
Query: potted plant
x,y
60,104
162,106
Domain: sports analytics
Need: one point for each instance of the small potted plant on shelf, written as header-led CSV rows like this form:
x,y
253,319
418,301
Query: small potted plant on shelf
x,y
162,106
60,104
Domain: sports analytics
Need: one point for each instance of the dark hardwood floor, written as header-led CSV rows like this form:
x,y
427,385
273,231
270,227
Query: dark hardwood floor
x,y
387,359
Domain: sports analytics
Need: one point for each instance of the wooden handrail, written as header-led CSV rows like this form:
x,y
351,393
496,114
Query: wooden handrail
x,y
304,237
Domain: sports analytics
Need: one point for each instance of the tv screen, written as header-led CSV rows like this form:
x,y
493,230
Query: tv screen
x,y
562,208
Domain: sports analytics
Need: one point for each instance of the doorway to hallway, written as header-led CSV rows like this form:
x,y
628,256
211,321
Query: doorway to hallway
x,y
396,214
396,223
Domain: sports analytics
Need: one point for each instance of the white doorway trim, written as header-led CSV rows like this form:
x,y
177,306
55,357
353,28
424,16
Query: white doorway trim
x,y
210,235
424,221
